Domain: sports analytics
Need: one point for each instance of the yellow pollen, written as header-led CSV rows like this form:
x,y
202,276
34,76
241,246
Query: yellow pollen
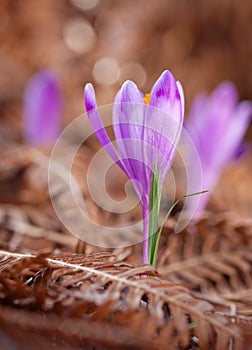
x,y
147,98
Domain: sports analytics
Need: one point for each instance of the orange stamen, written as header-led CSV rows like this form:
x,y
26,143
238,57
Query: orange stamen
x,y
147,98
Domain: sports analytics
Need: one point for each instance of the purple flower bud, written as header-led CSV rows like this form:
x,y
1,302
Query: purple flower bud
x,y
42,109
217,125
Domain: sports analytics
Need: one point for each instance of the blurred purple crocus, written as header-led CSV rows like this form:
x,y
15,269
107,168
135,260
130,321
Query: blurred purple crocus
x,y
146,129
42,109
217,125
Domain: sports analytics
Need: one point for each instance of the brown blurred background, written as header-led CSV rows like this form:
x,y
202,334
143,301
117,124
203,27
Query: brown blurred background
x,y
108,41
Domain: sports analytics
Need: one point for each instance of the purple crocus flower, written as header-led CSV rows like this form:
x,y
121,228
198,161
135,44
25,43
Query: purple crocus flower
x,y
217,125
42,109
146,129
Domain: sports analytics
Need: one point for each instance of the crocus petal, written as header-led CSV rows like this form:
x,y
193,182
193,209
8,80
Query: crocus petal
x,y
241,150
212,122
128,113
182,96
97,124
164,118
197,116
237,128
165,95
128,121
217,125
42,109
222,103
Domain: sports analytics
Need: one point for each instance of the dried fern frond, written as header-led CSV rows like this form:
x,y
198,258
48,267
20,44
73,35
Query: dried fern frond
x,y
51,331
100,289
214,260
32,229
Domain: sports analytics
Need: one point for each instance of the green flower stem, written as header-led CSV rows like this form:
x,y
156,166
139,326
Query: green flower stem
x,y
154,209
156,234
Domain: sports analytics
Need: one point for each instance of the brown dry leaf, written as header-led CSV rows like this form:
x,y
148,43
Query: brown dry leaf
x,y
23,175
101,289
33,229
214,260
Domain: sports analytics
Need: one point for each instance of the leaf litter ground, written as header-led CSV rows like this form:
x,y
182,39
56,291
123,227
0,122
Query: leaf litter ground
x,y
69,294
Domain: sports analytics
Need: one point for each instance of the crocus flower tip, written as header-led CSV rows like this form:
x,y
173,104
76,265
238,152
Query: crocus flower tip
x,y
129,93
88,89
128,84
89,97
